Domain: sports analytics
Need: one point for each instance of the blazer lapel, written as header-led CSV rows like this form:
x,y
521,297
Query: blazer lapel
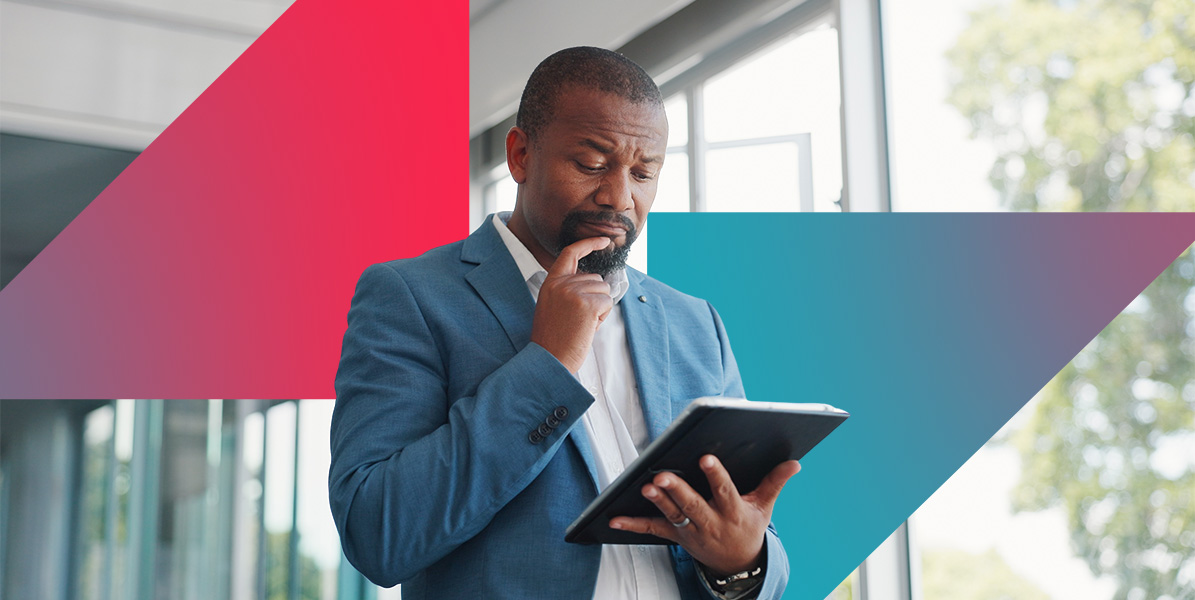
x,y
499,283
647,334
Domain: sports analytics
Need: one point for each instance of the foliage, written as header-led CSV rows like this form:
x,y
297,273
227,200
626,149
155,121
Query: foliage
x,y
961,575
278,572
1090,105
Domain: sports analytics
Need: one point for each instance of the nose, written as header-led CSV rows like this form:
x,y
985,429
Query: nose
x,y
615,191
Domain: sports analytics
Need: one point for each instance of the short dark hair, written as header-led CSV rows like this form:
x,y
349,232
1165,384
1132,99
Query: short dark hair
x,y
586,67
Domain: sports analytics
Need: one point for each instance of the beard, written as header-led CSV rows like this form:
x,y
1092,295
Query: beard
x,y
601,262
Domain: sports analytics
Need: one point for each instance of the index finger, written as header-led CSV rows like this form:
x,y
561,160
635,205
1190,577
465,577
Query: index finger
x,y
566,261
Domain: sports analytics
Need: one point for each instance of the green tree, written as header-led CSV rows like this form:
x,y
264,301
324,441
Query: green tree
x,y
1089,105
278,571
961,575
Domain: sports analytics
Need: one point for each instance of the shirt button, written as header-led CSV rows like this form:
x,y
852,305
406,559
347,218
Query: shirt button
x,y
642,549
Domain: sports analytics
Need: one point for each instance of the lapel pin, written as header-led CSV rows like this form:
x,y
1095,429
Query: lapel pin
x,y
643,298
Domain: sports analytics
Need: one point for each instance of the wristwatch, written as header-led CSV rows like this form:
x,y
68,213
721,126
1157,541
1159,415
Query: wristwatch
x,y
738,582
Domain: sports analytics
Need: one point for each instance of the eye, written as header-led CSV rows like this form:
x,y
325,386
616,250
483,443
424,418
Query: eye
x,y
643,176
588,168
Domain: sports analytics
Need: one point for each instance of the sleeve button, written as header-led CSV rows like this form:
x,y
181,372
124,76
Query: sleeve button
x,y
560,412
535,437
552,421
543,430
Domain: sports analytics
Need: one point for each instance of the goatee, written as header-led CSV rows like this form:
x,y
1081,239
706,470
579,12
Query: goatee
x,y
601,262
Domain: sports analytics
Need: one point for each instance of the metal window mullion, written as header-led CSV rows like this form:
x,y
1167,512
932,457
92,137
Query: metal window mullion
x,y
885,575
791,138
143,499
260,583
696,147
805,171
864,116
5,476
227,504
111,512
293,551
803,17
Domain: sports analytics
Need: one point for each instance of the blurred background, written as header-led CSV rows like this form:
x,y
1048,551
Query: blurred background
x,y
774,105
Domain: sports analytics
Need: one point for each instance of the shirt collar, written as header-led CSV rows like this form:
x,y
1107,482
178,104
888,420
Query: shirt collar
x,y
534,274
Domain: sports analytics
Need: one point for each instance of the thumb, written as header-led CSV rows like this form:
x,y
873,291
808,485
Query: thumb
x,y
769,489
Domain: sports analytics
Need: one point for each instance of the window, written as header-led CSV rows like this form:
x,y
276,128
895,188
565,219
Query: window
x,y
763,134
209,499
1085,493
102,543
771,128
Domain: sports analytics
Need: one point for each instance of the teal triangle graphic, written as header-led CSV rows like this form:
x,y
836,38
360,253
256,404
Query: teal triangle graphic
x,y
931,330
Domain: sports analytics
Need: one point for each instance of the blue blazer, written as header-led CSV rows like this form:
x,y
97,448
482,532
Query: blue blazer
x,y
436,481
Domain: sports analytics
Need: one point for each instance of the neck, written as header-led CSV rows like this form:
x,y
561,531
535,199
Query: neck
x,y
518,226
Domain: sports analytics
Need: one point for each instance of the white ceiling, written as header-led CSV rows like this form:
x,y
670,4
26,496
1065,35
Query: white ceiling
x,y
507,38
116,72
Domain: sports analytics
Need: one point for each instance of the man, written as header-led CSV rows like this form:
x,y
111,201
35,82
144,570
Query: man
x,y
488,389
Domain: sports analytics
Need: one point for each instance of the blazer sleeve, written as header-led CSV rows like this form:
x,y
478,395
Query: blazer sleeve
x,y
414,473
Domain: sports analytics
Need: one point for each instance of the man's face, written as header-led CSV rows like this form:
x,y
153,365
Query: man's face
x,y
591,172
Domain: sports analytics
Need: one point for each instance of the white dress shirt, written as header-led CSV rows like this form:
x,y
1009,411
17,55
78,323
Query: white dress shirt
x,y
616,430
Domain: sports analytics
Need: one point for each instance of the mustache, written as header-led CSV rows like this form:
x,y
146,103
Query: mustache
x,y
574,219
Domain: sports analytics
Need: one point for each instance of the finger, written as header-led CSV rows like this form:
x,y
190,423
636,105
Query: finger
x,y
686,498
605,313
583,284
667,507
726,495
657,526
769,489
566,261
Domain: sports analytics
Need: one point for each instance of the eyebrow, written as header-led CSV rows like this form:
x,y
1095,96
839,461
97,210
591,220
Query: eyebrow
x,y
596,146
607,150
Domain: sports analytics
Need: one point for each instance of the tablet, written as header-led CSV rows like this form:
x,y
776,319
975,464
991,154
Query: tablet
x,y
750,438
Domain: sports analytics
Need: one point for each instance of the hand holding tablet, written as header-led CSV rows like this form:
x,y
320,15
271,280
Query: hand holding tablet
x,y
753,443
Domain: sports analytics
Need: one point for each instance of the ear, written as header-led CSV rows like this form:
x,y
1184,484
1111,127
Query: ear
x,y
516,154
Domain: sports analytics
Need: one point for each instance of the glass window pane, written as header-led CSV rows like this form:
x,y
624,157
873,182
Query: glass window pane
x,y
677,109
672,193
504,192
760,178
925,131
94,560
790,87
119,520
319,543
1087,492
192,535
972,543
279,499
1079,496
247,542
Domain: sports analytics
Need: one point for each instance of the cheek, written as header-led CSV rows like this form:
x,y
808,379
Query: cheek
x,y
571,189
645,196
